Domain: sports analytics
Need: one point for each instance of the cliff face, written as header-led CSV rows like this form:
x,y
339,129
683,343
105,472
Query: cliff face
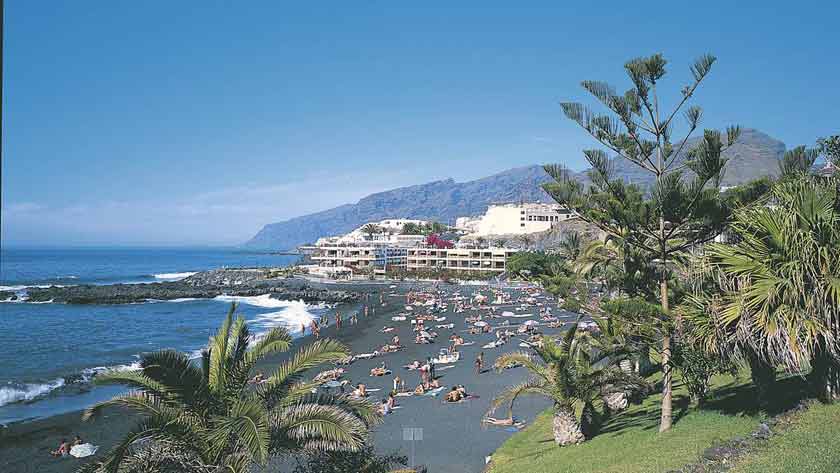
x,y
440,200
756,154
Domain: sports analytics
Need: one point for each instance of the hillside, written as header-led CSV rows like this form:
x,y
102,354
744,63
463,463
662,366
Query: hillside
x,y
756,154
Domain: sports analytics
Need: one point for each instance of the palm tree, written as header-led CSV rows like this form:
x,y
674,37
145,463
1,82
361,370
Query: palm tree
x,y
784,271
210,415
371,229
798,161
623,268
571,245
574,376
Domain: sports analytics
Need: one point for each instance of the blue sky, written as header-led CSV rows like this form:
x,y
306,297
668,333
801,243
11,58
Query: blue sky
x,y
197,122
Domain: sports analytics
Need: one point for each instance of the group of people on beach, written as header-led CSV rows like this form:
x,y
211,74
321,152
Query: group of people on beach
x,y
433,303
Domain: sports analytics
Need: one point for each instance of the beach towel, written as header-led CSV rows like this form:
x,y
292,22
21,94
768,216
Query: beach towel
x,y
83,450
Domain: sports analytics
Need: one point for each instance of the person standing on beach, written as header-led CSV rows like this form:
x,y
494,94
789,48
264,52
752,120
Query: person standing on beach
x,y
366,311
424,375
431,369
316,329
479,363
337,320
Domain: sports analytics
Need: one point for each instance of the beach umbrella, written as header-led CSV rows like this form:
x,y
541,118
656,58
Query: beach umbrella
x,y
480,323
83,450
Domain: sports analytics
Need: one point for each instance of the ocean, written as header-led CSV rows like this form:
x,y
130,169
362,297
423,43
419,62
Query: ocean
x,y
49,352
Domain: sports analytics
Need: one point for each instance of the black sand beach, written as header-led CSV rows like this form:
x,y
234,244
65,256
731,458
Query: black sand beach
x,y
453,439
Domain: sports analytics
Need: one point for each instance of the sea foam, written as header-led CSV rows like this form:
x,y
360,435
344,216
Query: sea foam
x,y
174,276
27,392
294,315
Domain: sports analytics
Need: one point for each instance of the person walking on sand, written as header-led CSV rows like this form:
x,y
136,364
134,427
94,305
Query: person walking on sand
x,y
479,363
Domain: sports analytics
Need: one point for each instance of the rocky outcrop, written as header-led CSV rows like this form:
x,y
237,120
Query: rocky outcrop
x,y
205,285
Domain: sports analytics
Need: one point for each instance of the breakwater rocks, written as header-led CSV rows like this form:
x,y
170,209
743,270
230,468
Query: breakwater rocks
x,y
203,285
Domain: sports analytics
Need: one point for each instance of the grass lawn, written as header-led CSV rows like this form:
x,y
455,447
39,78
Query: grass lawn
x,y
812,445
630,442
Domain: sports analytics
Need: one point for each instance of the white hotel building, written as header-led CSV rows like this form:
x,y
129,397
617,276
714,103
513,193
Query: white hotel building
x,y
514,219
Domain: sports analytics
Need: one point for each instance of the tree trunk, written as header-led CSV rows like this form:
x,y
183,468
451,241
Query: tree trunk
x,y
824,377
763,377
566,428
666,416
589,421
644,366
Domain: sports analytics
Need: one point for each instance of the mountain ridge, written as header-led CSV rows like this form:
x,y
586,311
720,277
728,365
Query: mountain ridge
x,y
755,154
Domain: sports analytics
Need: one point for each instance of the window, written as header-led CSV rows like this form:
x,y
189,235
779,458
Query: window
x,y
522,225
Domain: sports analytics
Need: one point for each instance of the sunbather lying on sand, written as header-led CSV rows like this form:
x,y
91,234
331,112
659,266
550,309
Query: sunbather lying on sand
x,y
454,395
379,371
63,449
360,391
509,422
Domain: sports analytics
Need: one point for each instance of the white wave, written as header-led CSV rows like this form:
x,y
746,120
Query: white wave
x,y
293,318
195,354
89,373
264,300
180,299
27,392
22,287
174,276
23,299
294,315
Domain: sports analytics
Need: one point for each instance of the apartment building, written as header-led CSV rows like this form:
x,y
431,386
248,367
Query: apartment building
x,y
458,259
355,257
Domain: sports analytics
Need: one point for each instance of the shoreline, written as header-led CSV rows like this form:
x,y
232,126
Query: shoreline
x,y
454,439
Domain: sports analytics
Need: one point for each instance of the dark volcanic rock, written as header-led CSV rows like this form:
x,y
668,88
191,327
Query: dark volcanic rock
x,y
200,286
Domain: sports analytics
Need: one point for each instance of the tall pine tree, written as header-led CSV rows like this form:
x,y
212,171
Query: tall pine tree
x,y
682,207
